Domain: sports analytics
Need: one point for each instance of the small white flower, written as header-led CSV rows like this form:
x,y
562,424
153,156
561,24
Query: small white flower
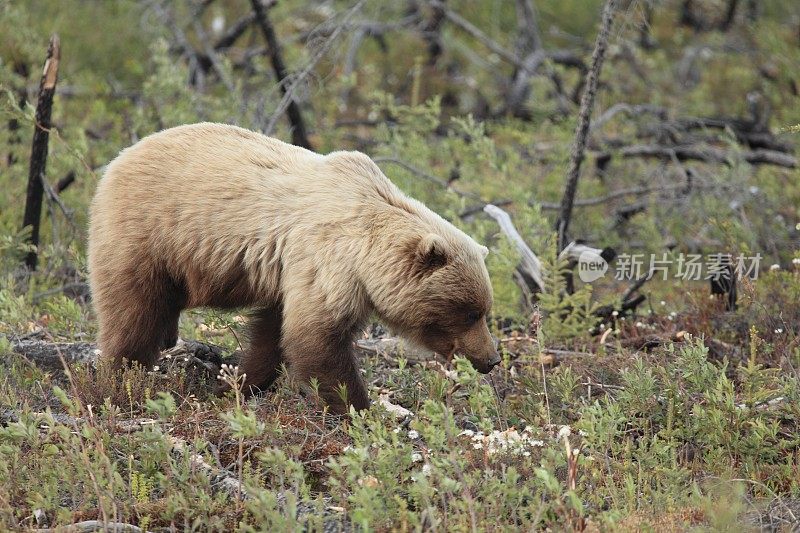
x,y
224,366
426,469
477,445
796,261
396,430
663,302
526,453
640,324
155,368
779,331
673,314
537,443
615,313
413,434
564,431
467,432
753,189
774,267
416,457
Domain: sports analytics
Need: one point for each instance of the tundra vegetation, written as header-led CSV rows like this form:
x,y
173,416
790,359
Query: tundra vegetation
x,y
621,404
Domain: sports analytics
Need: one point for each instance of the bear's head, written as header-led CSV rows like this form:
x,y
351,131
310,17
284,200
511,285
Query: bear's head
x,y
445,298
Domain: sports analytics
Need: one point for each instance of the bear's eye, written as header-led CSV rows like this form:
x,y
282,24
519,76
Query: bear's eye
x,y
473,316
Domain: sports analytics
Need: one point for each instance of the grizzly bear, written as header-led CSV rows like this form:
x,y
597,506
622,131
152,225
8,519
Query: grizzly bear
x,y
216,215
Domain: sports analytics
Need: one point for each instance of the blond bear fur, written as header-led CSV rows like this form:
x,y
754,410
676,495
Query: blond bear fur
x,y
215,215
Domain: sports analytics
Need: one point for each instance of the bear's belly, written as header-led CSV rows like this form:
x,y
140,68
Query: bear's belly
x,y
229,289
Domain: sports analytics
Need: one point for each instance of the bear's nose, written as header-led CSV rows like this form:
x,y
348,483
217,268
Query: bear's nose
x,y
494,361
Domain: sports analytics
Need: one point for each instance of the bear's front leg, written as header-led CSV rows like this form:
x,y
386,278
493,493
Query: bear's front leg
x,y
262,359
315,348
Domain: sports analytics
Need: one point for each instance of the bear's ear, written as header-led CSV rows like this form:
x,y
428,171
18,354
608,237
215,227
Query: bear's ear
x,y
431,252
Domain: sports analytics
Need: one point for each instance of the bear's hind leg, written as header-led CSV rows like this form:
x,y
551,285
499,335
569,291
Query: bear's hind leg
x,y
137,319
173,303
262,358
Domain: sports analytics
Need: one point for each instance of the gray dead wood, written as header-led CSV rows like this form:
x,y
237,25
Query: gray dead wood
x,y
48,355
530,264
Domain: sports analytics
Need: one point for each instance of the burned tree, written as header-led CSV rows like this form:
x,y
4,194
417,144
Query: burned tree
x,y
41,134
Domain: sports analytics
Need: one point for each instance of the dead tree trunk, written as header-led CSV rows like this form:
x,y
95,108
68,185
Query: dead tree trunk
x,y
582,129
41,134
299,135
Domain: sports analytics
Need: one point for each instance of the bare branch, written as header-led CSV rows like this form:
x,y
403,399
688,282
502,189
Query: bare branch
x,y
287,102
288,105
582,129
710,154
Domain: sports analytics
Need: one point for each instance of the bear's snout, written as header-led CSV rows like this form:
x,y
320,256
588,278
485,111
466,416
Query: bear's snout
x,y
480,347
494,361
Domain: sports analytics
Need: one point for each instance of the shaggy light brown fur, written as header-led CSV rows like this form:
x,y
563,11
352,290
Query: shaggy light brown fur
x,y
215,215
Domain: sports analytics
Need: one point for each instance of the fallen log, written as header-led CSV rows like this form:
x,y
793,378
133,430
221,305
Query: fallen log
x,y
51,356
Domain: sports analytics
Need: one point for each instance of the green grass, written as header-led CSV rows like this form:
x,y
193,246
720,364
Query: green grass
x,y
683,417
